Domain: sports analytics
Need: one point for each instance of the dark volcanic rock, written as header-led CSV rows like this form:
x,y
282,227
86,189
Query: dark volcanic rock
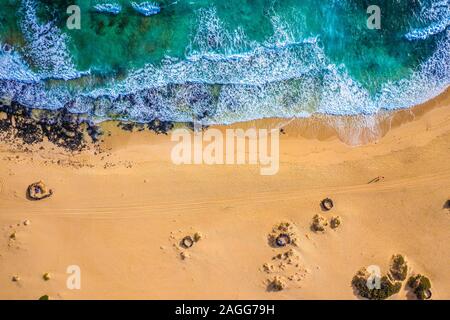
x,y
60,127
38,191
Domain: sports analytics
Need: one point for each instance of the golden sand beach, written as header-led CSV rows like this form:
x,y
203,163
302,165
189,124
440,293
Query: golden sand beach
x,y
119,211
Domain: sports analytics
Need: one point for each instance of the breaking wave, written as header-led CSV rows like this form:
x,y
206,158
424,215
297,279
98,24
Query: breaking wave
x,y
46,45
109,8
224,78
439,16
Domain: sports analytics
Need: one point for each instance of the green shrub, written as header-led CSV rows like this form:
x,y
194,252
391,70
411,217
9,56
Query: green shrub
x,y
421,286
388,287
398,267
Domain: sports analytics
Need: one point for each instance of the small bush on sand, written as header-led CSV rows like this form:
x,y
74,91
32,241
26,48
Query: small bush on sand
x,y
319,223
421,286
388,287
398,267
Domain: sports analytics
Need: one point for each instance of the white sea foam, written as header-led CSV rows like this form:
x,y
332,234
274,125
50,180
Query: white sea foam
x,y
109,8
279,78
46,45
12,66
424,33
437,16
213,36
226,78
146,8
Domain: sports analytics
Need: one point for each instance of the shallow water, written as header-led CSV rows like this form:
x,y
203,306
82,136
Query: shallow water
x,y
224,61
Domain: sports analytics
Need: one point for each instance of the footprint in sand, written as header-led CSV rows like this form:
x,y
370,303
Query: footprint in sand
x,y
377,179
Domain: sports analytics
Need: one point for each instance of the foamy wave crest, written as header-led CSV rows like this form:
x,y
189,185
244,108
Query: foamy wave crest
x,y
431,79
12,66
226,78
424,33
34,95
437,15
278,79
46,45
213,36
146,8
221,88
109,8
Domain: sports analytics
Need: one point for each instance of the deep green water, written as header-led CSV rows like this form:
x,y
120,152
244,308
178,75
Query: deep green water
x,y
225,61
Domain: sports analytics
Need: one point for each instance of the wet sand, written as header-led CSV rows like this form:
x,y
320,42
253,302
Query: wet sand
x,y
119,211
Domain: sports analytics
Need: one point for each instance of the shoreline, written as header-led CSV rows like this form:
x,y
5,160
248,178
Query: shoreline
x,y
357,130
352,130
120,208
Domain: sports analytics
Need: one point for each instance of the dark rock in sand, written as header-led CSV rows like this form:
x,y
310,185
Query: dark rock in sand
x,y
335,222
60,127
277,284
283,234
38,191
127,126
187,242
29,131
198,236
282,240
447,204
327,204
319,223
160,127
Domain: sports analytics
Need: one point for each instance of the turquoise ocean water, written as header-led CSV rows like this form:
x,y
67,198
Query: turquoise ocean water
x,y
223,61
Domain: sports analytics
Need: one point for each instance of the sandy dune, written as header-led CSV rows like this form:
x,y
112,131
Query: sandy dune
x,y
119,213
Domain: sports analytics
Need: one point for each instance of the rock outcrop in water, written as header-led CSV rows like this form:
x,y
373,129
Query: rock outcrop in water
x,y
69,131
